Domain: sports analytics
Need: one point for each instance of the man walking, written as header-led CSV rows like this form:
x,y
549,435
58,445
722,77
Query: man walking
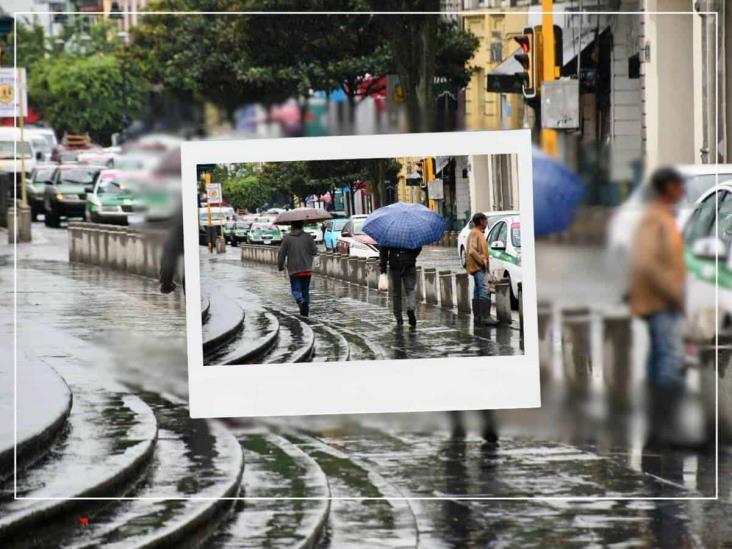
x,y
402,263
298,250
656,295
476,263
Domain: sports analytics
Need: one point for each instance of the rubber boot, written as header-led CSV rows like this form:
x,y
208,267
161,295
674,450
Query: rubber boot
x,y
485,313
399,319
305,309
412,318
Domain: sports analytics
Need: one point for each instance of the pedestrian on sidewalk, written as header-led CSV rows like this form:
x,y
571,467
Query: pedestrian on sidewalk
x,y
402,264
297,251
656,294
477,265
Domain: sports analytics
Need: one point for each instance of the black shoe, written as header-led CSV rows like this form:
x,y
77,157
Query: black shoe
x,y
412,318
301,306
399,319
305,309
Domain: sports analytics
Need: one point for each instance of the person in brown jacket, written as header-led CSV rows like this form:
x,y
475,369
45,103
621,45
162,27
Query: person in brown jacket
x,y
656,294
476,263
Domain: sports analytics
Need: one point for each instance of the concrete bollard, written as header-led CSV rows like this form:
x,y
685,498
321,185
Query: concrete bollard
x,y
94,233
122,250
361,271
452,241
462,288
503,302
343,268
577,349
73,243
446,300
544,322
372,273
617,342
138,254
430,286
112,261
419,287
85,246
352,270
150,250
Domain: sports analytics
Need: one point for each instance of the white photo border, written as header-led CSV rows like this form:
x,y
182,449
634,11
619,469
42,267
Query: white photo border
x,y
375,386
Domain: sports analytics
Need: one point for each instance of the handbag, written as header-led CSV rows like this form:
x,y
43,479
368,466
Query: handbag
x,y
383,282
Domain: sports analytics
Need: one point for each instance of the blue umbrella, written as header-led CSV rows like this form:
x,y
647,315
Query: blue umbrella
x,y
557,192
403,225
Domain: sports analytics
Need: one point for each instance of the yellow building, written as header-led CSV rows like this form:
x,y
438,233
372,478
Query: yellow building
x,y
408,193
495,31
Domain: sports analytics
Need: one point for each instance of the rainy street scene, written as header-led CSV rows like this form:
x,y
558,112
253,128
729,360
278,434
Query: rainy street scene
x,y
629,110
336,273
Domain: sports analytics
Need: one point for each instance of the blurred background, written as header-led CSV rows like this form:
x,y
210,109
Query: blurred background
x,y
610,89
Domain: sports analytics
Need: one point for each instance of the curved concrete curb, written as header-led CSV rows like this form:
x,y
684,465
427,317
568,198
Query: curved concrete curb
x,y
224,322
36,431
248,353
21,515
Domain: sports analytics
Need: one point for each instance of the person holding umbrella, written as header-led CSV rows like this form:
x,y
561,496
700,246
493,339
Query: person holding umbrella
x,y
401,230
297,251
402,263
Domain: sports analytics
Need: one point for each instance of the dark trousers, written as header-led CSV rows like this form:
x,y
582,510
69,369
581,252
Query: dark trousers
x,y
300,287
405,277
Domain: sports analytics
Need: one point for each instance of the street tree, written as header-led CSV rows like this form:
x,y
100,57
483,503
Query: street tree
x,y
246,192
80,94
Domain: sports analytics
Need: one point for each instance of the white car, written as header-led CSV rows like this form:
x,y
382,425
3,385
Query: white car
x,y
708,236
12,149
354,242
315,231
463,236
504,251
700,178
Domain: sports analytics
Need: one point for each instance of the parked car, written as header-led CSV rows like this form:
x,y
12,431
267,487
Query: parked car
x,y
354,242
41,176
13,150
112,200
219,216
332,232
238,230
315,231
700,178
66,195
264,233
504,251
43,148
493,217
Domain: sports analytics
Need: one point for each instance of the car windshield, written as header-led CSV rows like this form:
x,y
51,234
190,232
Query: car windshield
x,y
243,224
516,235
78,176
697,185
43,175
7,149
312,227
358,226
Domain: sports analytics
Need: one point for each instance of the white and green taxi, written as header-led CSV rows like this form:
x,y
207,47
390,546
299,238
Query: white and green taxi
x,y
504,250
707,239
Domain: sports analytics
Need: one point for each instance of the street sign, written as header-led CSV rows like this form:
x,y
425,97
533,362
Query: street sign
x,y
13,94
213,193
436,189
560,104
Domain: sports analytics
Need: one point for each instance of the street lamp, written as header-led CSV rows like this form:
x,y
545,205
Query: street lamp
x,y
123,37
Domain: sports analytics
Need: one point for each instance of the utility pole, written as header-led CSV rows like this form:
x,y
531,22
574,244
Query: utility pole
x,y
548,136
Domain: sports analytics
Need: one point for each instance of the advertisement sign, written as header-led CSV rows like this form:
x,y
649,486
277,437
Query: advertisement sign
x,y
213,193
13,93
436,189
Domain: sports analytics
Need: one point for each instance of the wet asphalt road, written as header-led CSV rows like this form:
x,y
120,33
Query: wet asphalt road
x,y
560,450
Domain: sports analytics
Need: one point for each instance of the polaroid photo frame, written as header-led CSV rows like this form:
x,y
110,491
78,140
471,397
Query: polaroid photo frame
x,y
373,386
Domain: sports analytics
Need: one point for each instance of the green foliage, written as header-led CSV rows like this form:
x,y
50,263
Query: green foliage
x,y
86,94
246,192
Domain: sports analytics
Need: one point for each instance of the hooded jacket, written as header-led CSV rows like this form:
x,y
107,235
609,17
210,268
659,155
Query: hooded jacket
x,y
298,250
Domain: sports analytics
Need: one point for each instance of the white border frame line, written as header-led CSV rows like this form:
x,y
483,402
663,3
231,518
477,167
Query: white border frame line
x,y
380,386
537,498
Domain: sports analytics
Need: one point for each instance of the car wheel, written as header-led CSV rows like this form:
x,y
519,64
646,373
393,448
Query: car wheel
x,y
513,298
462,255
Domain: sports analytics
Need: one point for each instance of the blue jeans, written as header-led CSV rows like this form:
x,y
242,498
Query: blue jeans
x,y
480,288
666,352
300,287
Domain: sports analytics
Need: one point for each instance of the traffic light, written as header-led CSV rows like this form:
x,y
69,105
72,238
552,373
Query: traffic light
x,y
527,59
419,166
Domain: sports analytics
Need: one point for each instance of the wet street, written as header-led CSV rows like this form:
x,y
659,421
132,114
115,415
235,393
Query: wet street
x,y
120,347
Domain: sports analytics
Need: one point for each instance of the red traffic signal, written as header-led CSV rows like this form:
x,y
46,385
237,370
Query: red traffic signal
x,y
524,42
526,57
